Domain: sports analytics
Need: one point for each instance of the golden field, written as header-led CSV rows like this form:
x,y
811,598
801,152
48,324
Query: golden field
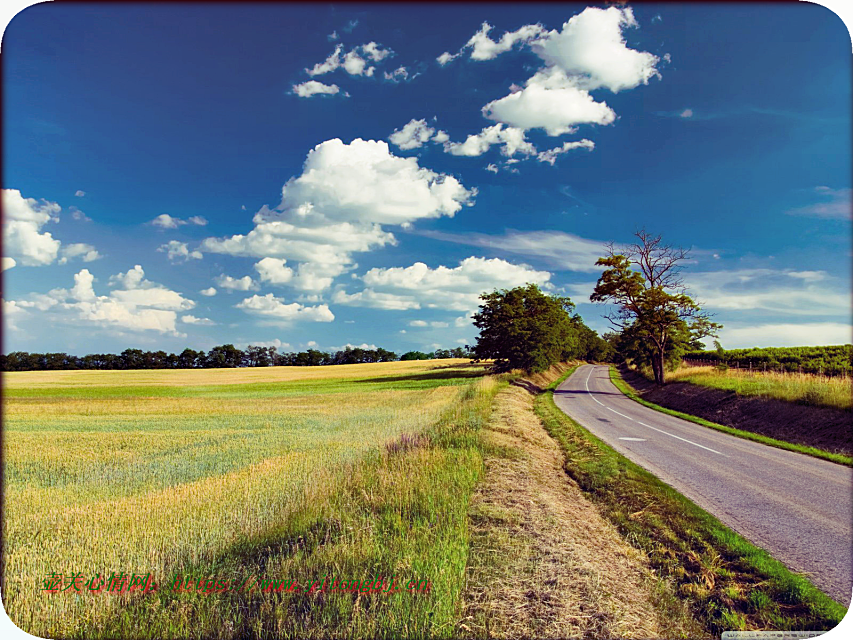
x,y
151,471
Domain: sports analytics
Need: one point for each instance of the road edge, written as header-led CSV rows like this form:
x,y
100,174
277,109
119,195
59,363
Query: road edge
x,y
629,391
730,583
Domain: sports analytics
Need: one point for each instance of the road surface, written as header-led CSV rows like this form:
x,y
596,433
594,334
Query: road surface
x,y
798,508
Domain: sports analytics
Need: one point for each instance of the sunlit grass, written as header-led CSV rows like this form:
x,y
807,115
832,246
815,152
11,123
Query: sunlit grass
x,y
804,388
130,477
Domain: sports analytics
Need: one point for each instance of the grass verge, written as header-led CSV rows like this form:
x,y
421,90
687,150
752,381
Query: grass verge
x,y
629,391
729,583
402,511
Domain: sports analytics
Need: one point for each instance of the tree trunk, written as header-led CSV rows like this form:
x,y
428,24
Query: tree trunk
x,y
657,366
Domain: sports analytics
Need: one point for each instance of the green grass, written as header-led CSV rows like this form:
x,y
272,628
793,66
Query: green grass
x,y
729,583
629,391
286,486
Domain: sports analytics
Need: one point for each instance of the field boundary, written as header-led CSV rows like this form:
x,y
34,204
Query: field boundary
x,y
626,388
729,583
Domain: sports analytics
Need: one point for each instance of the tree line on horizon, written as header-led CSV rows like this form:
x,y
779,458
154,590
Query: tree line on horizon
x,y
221,356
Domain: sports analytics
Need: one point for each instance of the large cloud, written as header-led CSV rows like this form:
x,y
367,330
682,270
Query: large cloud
x,y
592,51
137,305
549,101
589,53
23,239
337,207
457,288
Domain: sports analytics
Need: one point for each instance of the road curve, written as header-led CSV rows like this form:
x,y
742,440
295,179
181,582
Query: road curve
x,y
798,508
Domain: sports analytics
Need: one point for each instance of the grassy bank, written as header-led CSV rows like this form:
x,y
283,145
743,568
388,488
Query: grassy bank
x,y
729,583
237,487
803,388
629,391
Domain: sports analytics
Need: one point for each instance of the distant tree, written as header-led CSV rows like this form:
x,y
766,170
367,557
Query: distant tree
x,y
416,355
658,320
523,328
224,356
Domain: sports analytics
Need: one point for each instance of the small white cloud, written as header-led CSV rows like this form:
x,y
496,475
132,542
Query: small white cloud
x,y
179,252
210,291
375,52
492,167
275,309
412,136
188,319
398,75
85,252
236,284
328,65
418,323
333,36
165,221
550,156
446,57
313,88
78,215
687,113
440,137
274,271
79,193
511,139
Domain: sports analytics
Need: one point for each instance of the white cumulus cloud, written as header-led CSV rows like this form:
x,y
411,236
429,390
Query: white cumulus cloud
x,y
313,88
23,239
457,288
236,284
86,252
275,309
179,252
337,207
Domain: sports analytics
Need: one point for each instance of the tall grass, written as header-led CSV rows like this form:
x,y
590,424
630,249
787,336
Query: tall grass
x,y
804,388
281,485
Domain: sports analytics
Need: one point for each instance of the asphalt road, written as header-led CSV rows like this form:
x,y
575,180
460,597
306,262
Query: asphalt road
x,y
798,508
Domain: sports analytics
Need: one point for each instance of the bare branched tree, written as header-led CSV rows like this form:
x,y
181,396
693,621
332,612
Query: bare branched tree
x,y
643,280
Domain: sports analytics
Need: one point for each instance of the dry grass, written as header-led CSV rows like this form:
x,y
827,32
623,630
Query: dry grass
x,y
804,388
544,563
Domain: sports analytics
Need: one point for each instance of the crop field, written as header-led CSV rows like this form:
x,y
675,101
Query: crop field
x,y
804,388
282,471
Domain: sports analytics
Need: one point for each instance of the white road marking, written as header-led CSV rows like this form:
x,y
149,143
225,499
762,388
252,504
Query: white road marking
x,y
619,414
695,444
634,439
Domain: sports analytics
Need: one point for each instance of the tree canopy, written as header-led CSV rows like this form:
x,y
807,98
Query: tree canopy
x,y
658,321
523,328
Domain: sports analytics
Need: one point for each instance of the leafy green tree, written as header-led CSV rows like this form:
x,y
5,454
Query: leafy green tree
x,y
523,328
658,320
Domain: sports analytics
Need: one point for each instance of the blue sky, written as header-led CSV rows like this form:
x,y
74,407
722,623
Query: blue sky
x,y
328,175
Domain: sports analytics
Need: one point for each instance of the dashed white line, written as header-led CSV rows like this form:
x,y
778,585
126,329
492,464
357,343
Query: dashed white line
x,y
695,444
672,435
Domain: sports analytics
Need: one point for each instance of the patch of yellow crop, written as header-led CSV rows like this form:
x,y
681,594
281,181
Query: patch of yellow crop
x,y
196,377
138,483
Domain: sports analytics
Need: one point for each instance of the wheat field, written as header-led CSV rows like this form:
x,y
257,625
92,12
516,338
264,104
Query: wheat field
x,y
152,471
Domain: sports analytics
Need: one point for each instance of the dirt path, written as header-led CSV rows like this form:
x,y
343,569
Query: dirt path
x,y
543,561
